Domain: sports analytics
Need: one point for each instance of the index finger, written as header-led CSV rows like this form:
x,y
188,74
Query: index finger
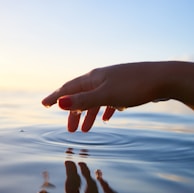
x,y
81,84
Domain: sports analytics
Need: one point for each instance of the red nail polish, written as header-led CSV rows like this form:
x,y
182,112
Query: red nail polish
x,y
65,102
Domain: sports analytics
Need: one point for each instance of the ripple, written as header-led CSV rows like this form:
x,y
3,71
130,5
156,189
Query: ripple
x,y
100,143
91,140
108,143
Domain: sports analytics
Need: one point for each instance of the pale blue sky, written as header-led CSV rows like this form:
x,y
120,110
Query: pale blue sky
x,y
44,43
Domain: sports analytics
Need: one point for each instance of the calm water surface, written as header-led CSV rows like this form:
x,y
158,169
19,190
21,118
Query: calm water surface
x,y
146,149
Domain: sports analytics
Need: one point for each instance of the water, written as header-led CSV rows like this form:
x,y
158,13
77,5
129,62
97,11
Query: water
x,y
141,150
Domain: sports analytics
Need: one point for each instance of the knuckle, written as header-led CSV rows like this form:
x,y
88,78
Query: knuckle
x,y
97,77
94,71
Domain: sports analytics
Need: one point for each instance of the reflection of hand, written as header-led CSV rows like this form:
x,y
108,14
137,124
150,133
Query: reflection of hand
x,y
91,184
73,181
46,184
124,85
103,183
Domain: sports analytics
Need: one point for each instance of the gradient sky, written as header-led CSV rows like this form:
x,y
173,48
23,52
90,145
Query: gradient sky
x,y
44,43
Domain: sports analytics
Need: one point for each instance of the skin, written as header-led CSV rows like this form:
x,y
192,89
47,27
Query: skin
x,y
123,85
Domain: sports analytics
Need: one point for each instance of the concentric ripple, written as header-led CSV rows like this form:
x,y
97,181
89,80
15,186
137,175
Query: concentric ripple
x,y
95,142
108,143
61,137
99,142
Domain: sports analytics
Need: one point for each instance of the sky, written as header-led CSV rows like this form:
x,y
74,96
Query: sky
x,y
44,43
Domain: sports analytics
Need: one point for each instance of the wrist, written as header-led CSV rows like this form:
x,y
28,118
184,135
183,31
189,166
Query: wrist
x,y
177,81
185,83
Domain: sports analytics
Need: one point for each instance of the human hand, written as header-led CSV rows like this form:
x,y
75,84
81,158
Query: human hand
x,y
123,85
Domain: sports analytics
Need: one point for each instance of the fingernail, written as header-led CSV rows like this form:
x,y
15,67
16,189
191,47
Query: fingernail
x,y
65,102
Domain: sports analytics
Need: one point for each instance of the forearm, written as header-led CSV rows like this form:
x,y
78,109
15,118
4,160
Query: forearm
x,y
176,81
185,83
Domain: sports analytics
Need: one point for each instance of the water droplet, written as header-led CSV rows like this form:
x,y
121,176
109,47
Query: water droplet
x,y
76,112
105,121
120,108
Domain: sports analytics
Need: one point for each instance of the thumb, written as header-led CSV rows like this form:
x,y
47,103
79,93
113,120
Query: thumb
x,y
83,100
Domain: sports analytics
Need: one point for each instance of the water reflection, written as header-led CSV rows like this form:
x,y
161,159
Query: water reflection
x,y
83,152
46,184
74,175
73,181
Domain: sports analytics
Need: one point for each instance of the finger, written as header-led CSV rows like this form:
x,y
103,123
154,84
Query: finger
x,y
109,111
70,87
51,99
81,84
73,121
89,119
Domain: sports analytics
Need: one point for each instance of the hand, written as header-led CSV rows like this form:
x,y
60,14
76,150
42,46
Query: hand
x,y
124,85
109,86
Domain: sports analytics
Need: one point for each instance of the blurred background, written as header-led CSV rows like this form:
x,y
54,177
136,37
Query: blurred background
x,y
45,43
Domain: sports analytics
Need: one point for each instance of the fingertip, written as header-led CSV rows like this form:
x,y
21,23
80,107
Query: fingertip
x,y
109,111
86,126
72,127
85,129
70,130
105,119
45,103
